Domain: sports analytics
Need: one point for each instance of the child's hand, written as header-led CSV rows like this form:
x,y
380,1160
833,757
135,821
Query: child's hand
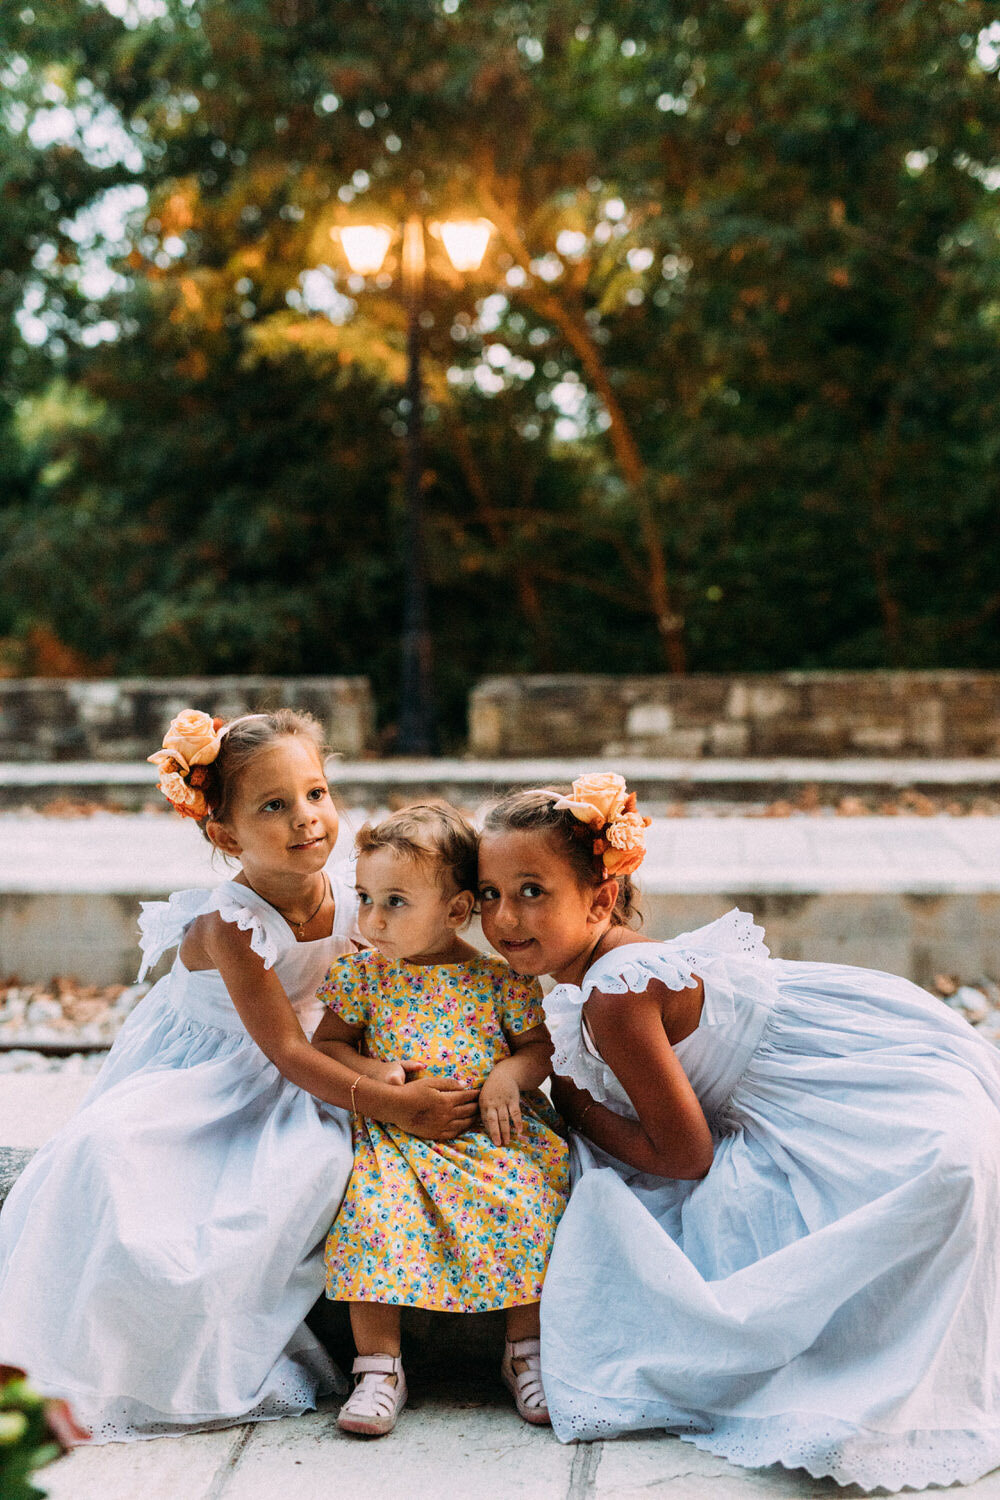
x,y
401,1069
500,1106
391,1072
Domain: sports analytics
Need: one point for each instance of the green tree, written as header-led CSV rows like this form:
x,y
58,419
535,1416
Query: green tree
x,y
724,395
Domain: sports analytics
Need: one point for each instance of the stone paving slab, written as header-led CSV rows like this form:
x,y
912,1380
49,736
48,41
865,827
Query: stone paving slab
x,y
450,1441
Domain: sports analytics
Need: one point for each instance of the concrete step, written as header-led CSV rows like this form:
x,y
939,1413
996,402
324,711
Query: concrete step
x,y
911,894
381,783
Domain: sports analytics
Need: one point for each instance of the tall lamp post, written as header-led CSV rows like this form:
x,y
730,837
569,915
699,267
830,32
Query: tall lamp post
x,y
365,247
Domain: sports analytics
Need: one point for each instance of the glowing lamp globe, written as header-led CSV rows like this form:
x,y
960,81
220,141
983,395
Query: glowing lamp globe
x,y
465,241
365,246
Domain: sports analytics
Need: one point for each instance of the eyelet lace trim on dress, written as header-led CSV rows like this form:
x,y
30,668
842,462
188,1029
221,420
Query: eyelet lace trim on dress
x,y
629,969
230,909
825,1448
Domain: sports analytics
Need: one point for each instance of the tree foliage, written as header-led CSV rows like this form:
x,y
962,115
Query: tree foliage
x,y
724,394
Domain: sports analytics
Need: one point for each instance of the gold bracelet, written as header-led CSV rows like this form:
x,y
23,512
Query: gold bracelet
x,y
354,1107
590,1106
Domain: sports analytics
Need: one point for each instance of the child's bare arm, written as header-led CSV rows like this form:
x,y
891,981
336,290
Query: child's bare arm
x,y
670,1137
340,1040
435,1108
526,1068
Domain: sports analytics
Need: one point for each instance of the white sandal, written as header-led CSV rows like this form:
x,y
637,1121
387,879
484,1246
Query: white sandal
x,y
374,1404
526,1385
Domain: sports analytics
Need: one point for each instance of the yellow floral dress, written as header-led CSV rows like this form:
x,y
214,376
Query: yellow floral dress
x,y
461,1225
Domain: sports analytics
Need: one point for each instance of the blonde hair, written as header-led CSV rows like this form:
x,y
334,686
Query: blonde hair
x,y
433,833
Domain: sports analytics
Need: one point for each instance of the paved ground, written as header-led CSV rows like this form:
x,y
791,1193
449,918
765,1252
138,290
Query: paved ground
x,y
463,1442
150,852
456,1438
459,1436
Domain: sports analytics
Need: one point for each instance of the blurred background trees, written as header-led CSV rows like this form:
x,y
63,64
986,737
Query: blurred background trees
x,y
724,394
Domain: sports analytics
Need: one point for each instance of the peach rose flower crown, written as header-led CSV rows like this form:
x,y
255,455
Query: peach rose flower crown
x,y
602,801
190,745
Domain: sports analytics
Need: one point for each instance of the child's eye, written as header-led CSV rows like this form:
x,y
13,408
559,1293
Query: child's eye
x,y
275,805
396,901
364,899
318,793
531,890
487,893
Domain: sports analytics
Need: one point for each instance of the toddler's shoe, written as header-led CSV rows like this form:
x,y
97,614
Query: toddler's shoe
x,y
525,1385
374,1404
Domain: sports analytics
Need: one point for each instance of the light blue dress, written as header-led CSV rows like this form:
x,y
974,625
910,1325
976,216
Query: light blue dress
x,y
159,1254
828,1296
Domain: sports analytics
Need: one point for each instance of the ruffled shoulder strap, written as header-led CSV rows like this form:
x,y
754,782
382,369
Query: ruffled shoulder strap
x,y
162,924
628,969
736,935
269,932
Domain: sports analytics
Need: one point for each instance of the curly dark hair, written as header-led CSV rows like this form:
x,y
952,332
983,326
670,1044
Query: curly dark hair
x,y
535,812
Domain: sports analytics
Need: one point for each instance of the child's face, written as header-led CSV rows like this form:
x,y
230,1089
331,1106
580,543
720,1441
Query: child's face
x,y
534,909
283,821
403,911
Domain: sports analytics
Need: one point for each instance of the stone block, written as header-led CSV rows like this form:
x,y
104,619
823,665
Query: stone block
x,y
738,701
486,727
695,700
729,739
646,720
882,739
685,744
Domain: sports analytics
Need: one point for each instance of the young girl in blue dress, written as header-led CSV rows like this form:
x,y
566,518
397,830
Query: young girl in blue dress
x,y
781,1244
456,1226
159,1255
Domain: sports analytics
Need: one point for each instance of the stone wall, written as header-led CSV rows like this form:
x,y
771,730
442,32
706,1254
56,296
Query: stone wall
x,y
752,714
123,719
92,934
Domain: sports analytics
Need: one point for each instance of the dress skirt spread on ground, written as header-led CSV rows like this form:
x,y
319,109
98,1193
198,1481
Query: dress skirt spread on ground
x,y
158,1255
827,1296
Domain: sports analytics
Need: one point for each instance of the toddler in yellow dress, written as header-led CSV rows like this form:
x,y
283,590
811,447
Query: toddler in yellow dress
x,y
464,1225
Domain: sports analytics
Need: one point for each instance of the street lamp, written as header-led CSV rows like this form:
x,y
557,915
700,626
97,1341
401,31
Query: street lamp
x,y
365,247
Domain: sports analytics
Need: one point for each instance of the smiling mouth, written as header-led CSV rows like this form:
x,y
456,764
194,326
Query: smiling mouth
x,y
309,843
517,944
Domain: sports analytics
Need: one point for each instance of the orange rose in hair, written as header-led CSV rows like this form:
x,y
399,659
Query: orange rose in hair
x,y
622,861
595,799
628,831
624,844
169,763
187,800
194,736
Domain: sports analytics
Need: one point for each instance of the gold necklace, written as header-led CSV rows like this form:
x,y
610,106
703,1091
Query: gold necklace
x,y
299,927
